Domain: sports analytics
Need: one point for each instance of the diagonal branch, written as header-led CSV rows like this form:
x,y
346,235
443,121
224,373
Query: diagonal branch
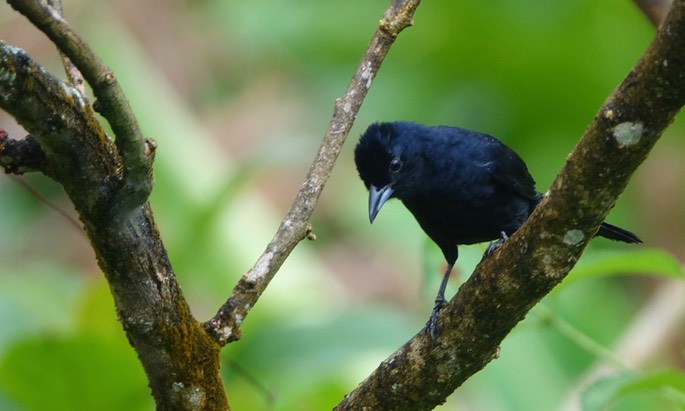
x,y
61,124
505,286
225,326
111,102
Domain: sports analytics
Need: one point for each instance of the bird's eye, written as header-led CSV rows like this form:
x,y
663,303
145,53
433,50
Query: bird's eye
x,y
395,165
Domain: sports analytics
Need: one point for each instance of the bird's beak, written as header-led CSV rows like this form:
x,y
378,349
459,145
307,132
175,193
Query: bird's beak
x,y
377,197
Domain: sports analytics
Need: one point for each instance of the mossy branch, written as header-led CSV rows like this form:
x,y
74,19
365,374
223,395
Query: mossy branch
x,y
107,180
69,145
135,151
109,183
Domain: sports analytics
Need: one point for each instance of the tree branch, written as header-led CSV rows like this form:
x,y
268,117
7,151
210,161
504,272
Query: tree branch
x,y
21,156
111,102
181,361
225,325
101,177
179,357
505,286
59,120
74,76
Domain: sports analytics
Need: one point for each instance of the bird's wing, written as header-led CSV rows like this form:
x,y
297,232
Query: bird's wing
x,y
510,172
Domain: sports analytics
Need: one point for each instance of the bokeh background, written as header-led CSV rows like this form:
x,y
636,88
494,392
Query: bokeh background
x,y
237,95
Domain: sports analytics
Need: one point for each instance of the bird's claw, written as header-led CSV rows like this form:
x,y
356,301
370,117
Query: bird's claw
x,y
493,245
432,324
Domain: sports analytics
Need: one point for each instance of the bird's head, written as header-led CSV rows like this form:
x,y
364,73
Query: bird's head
x,y
382,163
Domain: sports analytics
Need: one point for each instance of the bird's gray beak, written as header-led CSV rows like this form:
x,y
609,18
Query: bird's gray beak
x,y
377,197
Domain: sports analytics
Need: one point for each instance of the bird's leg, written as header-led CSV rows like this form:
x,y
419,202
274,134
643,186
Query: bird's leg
x,y
431,326
493,245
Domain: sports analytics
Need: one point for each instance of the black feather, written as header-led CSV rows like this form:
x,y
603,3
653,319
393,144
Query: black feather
x,y
463,187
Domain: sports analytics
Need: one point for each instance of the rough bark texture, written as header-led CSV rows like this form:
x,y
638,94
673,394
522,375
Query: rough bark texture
x,y
136,176
109,180
506,285
180,359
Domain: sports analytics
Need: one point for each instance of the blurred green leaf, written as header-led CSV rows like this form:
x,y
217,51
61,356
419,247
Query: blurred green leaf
x,y
77,373
653,262
96,314
76,356
664,386
37,299
604,391
665,379
319,357
203,220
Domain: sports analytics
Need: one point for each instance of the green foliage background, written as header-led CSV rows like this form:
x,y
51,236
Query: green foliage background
x,y
237,95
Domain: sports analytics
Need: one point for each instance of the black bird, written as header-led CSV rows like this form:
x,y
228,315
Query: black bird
x,y
463,187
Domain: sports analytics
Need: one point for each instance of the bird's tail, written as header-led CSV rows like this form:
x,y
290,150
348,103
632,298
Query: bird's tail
x,y
612,232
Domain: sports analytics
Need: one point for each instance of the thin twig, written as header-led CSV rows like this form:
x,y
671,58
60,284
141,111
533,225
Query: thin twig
x,y
74,76
269,395
20,156
41,199
225,325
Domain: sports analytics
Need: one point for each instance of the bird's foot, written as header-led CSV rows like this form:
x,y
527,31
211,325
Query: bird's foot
x,y
493,245
432,324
